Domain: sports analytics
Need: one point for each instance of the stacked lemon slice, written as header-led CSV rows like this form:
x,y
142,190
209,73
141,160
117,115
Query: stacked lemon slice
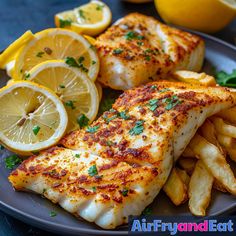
x,y
53,89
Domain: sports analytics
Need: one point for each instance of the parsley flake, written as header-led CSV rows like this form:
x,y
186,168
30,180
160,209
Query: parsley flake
x,y
133,35
81,13
117,51
153,87
62,86
99,7
82,120
39,54
94,62
11,161
226,79
138,128
123,115
164,90
147,58
70,104
73,63
124,192
140,43
53,214
153,104
94,189
64,23
36,129
92,129
171,102
92,171
77,155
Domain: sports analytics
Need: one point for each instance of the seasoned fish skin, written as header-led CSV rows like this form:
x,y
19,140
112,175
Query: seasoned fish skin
x,y
139,49
131,168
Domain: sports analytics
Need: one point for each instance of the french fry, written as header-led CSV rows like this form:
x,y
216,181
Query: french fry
x,y
188,153
208,131
183,175
175,188
193,77
187,164
223,128
229,115
232,153
214,161
199,192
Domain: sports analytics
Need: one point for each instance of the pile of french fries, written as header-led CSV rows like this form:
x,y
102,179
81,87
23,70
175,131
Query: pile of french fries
x,y
203,165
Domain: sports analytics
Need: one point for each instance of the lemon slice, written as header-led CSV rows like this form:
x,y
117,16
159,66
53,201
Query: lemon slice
x,y
31,117
11,52
52,44
91,19
77,92
99,89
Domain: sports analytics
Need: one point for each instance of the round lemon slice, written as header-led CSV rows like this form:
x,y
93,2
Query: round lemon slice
x,y
77,92
52,44
10,53
31,118
91,18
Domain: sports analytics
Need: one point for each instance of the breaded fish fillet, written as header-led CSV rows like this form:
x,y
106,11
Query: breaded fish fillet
x,y
116,167
139,49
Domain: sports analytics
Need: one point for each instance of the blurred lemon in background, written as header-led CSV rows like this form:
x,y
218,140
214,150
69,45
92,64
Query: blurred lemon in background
x,y
208,16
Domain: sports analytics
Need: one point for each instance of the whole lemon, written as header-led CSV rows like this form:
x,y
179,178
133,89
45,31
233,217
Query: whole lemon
x,y
208,16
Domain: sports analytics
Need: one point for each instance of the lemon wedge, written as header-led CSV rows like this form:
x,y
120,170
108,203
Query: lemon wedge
x,y
91,18
77,92
54,44
31,118
10,53
207,16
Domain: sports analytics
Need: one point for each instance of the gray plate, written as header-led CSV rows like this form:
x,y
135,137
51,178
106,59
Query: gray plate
x,y
35,210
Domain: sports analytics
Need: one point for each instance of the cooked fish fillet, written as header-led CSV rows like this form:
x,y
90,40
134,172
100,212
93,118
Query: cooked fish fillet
x,y
138,49
117,166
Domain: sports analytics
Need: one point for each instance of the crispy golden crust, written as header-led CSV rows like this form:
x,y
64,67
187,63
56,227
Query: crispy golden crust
x,y
146,50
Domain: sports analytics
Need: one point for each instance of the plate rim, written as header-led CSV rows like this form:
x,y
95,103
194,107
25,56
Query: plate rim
x,y
60,228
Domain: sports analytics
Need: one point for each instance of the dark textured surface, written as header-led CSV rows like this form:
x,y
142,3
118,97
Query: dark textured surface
x,y
17,16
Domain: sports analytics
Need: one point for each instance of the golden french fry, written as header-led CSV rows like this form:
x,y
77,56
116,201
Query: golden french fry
x,y
175,188
187,164
229,115
208,131
183,175
193,77
223,128
214,161
199,192
188,153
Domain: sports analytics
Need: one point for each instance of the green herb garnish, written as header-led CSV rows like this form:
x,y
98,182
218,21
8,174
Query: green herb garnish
x,y
82,120
153,104
11,161
73,63
138,128
62,86
36,129
94,189
92,129
153,87
39,54
123,115
81,13
226,79
117,51
133,35
70,104
164,90
77,155
53,214
64,23
99,7
109,143
92,171
171,102
27,75
124,192
147,58
94,62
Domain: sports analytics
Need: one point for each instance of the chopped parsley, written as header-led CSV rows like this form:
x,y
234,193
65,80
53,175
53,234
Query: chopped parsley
x,y
70,104
53,214
226,79
117,51
27,75
77,155
44,190
133,35
138,128
36,129
140,43
153,87
123,115
11,161
153,104
73,63
64,23
99,7
171,102
107,120
164,90
124,192
39,54
62,86
147,211
82,120
147,58
109,143
92,171
94,62
92,129
94,189
81,13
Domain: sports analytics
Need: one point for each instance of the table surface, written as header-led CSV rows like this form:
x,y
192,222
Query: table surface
x,y
17,16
